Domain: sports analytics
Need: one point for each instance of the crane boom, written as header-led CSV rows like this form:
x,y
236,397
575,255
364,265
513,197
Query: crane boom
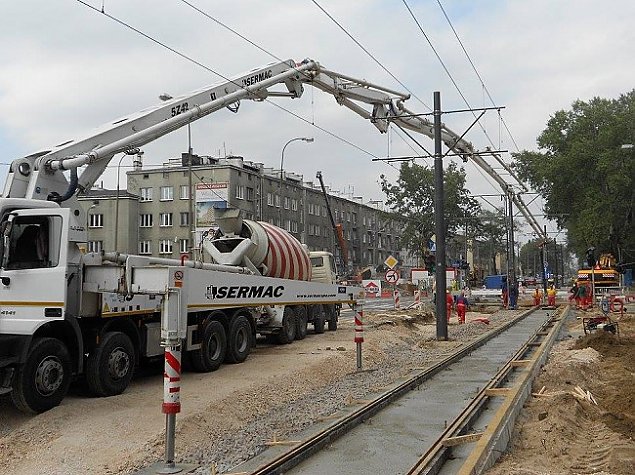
x,y
40,175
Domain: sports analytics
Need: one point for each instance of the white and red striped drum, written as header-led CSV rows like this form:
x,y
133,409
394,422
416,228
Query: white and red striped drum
x,y
285,258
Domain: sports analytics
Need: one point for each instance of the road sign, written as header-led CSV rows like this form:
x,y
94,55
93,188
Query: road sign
x,y
392,276
391,261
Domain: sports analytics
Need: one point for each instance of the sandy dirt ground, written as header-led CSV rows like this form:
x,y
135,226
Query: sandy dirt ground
x,y
561,433
230,414
224,410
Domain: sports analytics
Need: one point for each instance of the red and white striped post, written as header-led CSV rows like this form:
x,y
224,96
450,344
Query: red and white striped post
x,y
397,299
359,330
171,403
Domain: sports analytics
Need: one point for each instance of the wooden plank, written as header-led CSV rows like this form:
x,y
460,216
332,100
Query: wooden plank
x,y
517,363
497,391
461,439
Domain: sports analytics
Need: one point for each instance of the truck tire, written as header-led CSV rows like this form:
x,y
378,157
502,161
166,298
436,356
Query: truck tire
x,y
111,365
318,319
332,317
289,326
302,321
239,340
213,348
43,381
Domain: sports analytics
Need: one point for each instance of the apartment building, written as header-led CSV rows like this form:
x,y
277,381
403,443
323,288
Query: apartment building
x,y
155,216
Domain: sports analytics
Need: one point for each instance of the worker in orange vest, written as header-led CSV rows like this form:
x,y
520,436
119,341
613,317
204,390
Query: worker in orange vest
x,y
461,307
551,296
537,296
449,303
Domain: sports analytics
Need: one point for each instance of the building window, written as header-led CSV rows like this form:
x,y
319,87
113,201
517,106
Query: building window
x,y
167,193
294,205
145,220
287,202
185,219
146,194
184,246
277,201
95,246
145,247
165,219
294,226
184,192
250,193
310,210
269,199
287,225
165,246
240,192
96,221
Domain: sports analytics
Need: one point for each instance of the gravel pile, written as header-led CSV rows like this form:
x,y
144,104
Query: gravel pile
x,y
236,429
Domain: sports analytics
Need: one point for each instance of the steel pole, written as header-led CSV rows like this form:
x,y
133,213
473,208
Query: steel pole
x,y
439,223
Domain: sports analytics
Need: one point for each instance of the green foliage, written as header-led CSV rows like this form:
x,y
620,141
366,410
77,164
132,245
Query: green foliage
x,y
412,198
585,176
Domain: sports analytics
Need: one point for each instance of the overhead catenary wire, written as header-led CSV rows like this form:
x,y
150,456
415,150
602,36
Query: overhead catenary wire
x,y
365,50
209,69
476,71
456,86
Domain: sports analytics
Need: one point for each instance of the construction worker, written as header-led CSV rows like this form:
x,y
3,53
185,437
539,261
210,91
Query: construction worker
x,y
580,296
537,296
462,304
449,303
551,296
505,294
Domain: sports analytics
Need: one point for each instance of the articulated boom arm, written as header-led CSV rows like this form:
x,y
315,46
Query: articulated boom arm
x,y
39,176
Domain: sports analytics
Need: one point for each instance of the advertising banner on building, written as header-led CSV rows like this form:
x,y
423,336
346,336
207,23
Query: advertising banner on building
x,y
208,197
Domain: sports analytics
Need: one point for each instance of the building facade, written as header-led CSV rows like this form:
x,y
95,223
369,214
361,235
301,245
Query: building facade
x,y
155,216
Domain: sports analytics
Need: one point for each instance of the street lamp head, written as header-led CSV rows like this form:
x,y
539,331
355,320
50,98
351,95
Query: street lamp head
x,y
308,139
165,97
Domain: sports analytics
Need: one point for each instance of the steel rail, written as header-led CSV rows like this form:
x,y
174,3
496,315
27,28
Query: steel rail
x,y
318,441
432,461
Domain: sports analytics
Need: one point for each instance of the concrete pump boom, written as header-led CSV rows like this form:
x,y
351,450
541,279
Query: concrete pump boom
x,y
40,176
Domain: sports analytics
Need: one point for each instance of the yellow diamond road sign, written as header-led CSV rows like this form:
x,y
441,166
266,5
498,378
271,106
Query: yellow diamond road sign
x,y
391,261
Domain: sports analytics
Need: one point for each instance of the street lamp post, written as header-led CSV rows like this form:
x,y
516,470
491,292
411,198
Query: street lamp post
x,y
295,139
166,97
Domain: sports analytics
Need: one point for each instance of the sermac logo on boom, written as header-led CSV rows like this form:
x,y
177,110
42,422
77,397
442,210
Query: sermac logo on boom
x,y
261,76
213,292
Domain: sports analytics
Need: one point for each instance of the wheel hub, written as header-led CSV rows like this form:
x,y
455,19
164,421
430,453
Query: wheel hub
x,y
118,363
49,376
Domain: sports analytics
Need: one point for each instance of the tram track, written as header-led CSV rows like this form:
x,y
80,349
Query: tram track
x,y
283,459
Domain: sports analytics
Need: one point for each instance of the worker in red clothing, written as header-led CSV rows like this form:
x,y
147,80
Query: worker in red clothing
x,y
537,296
551,296
462,305
449,303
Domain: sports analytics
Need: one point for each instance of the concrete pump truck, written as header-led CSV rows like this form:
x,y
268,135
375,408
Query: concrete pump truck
x,y
55,325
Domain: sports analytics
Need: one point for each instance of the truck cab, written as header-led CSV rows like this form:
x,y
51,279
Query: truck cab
x,y
323,267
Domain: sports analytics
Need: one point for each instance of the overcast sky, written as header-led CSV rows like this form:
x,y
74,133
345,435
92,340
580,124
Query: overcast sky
x,y
67,69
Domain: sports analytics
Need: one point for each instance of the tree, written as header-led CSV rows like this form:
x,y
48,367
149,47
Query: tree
x,y
491,230
412,199
586,176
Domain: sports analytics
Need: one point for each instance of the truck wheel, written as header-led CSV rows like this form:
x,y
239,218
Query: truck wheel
x,y
213,348
239,340
43,381
288,330
332,317
318,319
302,320
110,365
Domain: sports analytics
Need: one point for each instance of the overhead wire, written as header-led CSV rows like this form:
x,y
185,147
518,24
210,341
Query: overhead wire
x,y
365,50
445,68
209,69
476,71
